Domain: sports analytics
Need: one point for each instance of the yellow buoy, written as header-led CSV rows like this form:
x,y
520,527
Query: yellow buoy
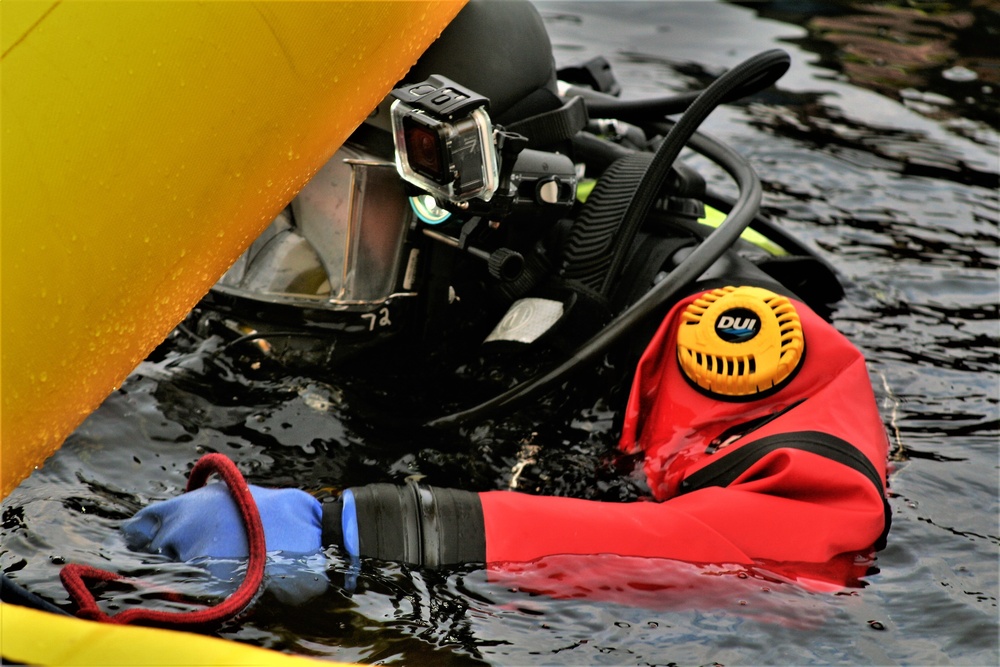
x,y
144,145
37,638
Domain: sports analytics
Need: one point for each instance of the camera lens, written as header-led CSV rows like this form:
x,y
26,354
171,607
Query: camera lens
x,y
424,152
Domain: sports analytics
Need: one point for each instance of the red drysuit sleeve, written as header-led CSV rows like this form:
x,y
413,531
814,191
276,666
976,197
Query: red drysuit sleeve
x,y
789,506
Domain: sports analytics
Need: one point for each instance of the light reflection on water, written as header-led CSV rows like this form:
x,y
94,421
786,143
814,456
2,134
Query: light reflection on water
x,y
900,196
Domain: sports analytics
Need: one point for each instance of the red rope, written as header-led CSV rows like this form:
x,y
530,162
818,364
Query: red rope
x,y
74,577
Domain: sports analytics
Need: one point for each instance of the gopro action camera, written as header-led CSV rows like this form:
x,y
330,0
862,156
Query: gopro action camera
x,y
444,140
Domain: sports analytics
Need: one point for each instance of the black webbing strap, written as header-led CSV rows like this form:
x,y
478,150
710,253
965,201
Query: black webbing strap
x,y
551,127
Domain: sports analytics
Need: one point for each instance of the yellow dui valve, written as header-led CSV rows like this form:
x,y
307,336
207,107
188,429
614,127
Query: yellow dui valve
x,y
740,341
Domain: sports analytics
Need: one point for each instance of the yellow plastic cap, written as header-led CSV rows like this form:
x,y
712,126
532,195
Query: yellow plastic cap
x,y
739,341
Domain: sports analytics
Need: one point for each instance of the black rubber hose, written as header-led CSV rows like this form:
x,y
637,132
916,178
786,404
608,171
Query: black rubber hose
x,y
654,108
703,256
766,66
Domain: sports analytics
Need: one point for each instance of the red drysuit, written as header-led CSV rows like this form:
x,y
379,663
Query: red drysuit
x,y
795,476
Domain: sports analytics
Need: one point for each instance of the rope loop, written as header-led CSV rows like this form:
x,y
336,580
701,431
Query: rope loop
x,y
75,577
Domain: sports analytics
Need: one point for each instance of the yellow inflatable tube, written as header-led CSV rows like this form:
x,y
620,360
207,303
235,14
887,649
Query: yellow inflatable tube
x,y
144,145
36,638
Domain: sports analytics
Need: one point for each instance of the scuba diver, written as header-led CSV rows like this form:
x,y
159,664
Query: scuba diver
x,y
493,199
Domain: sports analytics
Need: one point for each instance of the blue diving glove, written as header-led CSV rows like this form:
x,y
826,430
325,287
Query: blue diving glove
x,y
205,523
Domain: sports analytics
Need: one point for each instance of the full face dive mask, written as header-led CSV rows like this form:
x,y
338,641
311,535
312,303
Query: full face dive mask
x,y
337,246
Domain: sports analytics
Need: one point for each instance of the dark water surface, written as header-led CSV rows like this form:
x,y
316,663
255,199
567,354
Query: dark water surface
x,y
880,148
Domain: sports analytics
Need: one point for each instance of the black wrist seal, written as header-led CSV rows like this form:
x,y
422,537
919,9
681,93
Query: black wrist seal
x,y
414,524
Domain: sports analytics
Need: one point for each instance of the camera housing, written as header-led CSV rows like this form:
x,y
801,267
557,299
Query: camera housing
x,y
444,140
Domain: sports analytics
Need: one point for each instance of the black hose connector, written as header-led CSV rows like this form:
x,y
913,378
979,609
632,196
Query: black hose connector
x,y
505,264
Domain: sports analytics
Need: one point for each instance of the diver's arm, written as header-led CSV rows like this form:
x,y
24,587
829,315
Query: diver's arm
x,y
790,505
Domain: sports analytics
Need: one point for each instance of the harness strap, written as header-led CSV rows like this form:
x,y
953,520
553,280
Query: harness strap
x,y
75,577
551,127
